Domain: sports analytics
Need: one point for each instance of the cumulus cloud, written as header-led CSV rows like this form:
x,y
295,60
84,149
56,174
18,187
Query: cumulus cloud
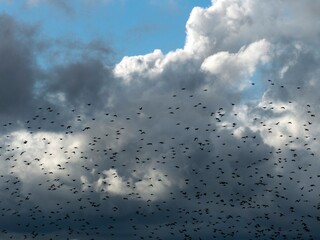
x,y
137,67
240,66
168,145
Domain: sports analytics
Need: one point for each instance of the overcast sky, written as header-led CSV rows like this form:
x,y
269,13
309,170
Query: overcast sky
x,y
159,119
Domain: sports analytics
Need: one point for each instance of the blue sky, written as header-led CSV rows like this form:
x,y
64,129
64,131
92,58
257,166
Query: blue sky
x,y
130,27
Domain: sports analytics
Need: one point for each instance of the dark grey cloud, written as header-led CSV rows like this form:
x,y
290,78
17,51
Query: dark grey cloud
x,y
87,81
35,71
18,72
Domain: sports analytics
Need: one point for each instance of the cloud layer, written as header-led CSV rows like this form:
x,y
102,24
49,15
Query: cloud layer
x,y
217,139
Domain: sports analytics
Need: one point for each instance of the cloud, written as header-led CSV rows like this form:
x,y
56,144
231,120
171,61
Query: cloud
x,y
80,81
167,145
236,67
18,71
137,67
35,71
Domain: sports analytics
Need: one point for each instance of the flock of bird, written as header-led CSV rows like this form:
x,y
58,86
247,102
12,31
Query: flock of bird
x,y
173,170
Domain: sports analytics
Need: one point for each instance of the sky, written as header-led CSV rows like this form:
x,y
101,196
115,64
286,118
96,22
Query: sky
x,y
129,27
159,119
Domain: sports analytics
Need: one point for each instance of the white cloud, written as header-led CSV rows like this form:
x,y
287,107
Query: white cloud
x,y
153,185
137,67
113,183
238,68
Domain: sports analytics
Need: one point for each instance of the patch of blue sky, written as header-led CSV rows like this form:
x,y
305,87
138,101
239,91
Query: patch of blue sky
x,y
131,27
255,92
